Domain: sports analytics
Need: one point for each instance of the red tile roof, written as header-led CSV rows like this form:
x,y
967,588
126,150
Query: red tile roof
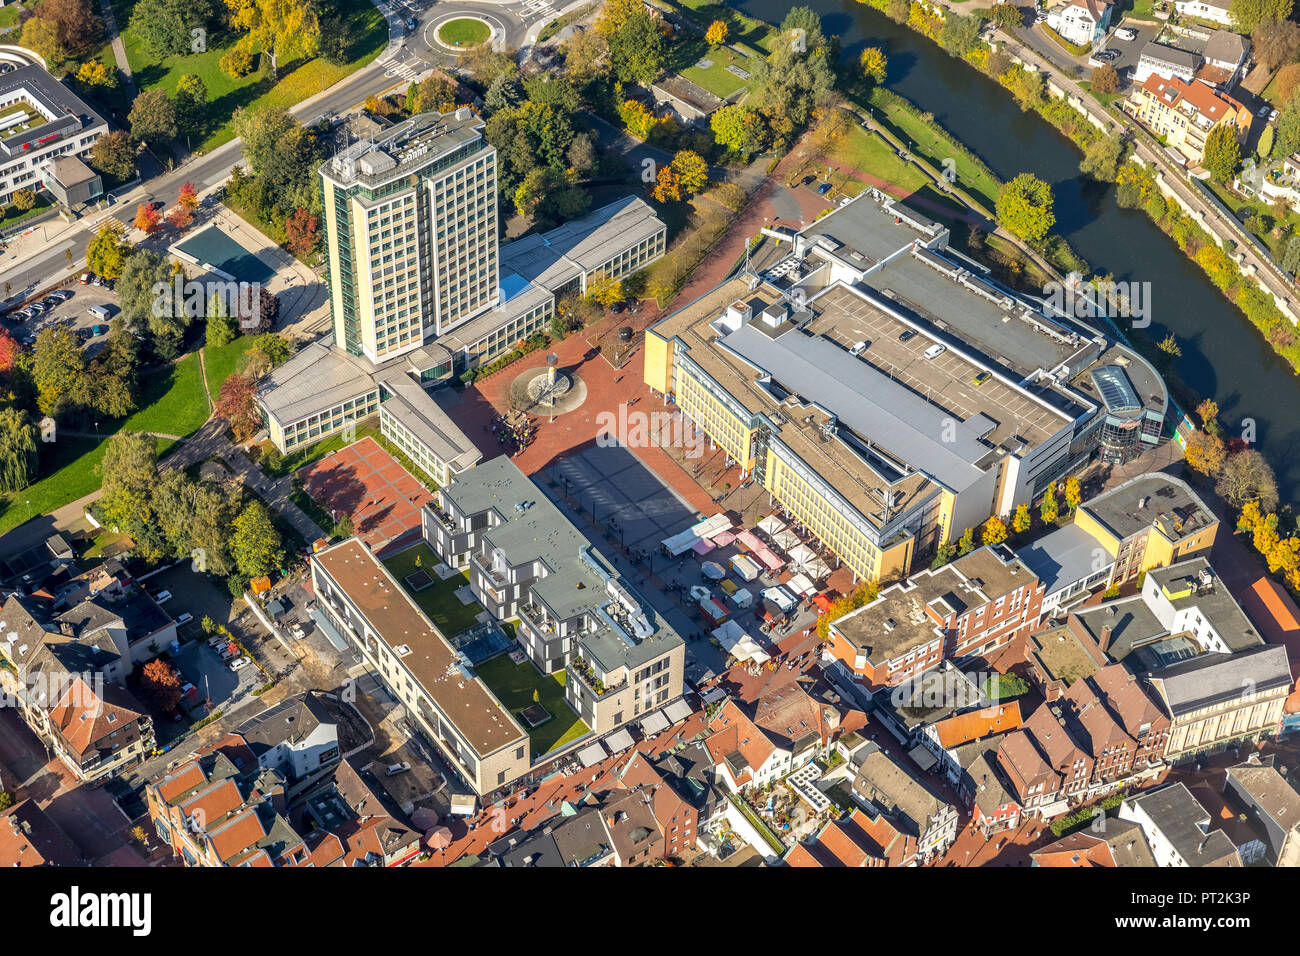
x,y
963,728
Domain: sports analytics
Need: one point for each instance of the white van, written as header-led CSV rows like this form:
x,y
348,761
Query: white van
x,y
100,312
858,348
934,351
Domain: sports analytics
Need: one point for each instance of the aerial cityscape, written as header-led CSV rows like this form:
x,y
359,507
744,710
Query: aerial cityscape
x,y
650,433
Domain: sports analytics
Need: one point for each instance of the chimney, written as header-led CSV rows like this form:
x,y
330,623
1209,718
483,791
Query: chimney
x,y
1106,630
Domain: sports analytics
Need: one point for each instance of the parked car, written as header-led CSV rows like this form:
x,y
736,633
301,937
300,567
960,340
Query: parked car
x,y
185,618
296,630
7,67
239,663
858,348
162,597
907,335
87,278
217,640
616,307
1124,33
97,330
823,189
981,378
410,24
395,768
934,351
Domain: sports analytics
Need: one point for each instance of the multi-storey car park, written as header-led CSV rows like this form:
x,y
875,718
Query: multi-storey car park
x,y
419,290
889,394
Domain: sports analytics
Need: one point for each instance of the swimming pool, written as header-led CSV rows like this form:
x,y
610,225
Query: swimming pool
x,y
212,247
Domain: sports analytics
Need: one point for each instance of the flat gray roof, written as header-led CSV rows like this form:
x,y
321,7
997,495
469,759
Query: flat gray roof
x,y
1214,602
1180,817
1061,558
1163,500
1213,678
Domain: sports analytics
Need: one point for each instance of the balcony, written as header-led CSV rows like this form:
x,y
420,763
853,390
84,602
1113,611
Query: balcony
x,y
536,617
587,678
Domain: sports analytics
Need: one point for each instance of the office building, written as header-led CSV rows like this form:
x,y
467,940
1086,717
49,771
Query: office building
x,y
43,124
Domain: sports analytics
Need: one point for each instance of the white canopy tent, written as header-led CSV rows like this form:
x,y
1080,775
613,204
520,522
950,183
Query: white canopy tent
x,y
801,584
785,539
738,644
592,754
619,740
771,525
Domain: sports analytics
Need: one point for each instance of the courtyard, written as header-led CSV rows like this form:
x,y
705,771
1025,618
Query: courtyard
x,y
515,684
435,596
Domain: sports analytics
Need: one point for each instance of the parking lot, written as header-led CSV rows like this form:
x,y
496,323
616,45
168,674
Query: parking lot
x,y
1129,50
74,314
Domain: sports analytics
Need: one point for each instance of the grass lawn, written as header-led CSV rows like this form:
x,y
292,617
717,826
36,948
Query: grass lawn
x,y
1290,225
1104,98
364,24
222,360
717,79
11,216
869,153
935,145
438,601
740,28
514,684
172,403
464,31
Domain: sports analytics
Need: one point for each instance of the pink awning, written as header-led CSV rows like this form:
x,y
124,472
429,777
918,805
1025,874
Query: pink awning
x,y
703,547
769,559
750,541
723,539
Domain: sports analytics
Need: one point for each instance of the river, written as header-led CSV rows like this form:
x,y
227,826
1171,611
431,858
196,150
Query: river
x,y
1223,356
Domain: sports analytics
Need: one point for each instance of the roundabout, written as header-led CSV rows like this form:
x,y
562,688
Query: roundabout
x,y
462,31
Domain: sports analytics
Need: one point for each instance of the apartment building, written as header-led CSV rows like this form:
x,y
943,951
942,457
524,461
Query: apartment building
x,y
575,612
1150,521
1177,829
1183,112
1216,10
882,785
888,393
975,606
371,610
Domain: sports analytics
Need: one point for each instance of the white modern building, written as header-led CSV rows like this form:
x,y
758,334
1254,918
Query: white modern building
x,y
41,122
1083,22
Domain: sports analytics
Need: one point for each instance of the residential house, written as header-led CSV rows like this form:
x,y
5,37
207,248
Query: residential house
x,y
906,710
1226,54
1183,113
683,796
219,809
1121,843
994,807
1271,803
633,831
945,737
576,612
352,806
97,731
1082,22
1216,10
885,787
1177,828
1045,766
742,753
298,736
1166,62
30,838
848,842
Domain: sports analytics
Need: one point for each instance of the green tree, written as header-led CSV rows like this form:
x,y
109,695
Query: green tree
x,y
19,455
129,471
1005,686
191,101
1222,152
42,37
1265,145
114,155
1246,15
1287,139
255,543
738,129
1103,157
1291,257
221,328
166,27
959,35
966,543
24,199
1049,510
153,116
797,76
58,368
1024,206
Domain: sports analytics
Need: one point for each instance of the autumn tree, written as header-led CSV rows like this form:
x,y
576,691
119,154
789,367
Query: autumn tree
x,y
1049,510
738,129
237,404
604,290
160,684
114,155
716,34
42,36
1105,79
153,116
147,219
94,73
1021,521
23,199
287,30
1205,453
255,543
995,531
1275,42
302,232
1073,494
873,64
179,218
668,186
1246,476
106,253
692,171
